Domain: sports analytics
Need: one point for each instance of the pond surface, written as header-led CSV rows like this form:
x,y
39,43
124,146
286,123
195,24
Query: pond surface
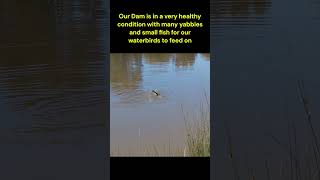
x,y
141,120
53,95
262,48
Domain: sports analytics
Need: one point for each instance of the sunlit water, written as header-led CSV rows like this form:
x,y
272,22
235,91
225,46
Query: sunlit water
x,y
141,120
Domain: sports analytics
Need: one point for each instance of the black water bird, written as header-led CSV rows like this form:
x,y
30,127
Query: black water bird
x,y
156,93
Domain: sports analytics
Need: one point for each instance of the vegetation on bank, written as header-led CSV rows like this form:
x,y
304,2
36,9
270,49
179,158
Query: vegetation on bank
x,y
198,131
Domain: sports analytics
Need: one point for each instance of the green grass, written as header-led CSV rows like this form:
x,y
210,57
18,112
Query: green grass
x,y
198,131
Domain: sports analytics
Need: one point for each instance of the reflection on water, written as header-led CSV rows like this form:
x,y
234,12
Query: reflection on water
x,y
181,79
52,74
258,59
236,16
52,88
242,8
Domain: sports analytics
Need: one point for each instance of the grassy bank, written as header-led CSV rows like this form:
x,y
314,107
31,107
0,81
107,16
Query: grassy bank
x,y
198,131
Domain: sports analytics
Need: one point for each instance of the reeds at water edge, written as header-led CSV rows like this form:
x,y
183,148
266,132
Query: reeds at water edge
x,y
198,131
302,157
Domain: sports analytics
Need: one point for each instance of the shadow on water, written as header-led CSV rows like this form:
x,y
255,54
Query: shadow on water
x,y
52,70
53,94
261,131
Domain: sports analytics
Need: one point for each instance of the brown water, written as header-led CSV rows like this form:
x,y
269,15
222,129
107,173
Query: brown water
x,y
141,121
